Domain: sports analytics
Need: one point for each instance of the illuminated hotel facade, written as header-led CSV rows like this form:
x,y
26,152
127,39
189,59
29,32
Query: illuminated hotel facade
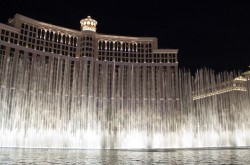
x,y
85,63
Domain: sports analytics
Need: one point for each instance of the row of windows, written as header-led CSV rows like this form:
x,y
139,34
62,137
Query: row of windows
x,y
47,47
8,36
123,46
87,38
57,37
43,40
167,57
48,35
138,60
133,57
28,33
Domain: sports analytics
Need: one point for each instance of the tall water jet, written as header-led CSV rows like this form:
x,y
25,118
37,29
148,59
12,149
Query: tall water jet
x,y
217,108
33,115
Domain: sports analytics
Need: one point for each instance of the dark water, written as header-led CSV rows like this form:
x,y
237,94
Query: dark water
x,y
130,157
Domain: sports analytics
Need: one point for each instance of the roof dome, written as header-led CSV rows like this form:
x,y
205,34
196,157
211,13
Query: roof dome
x,y
88,24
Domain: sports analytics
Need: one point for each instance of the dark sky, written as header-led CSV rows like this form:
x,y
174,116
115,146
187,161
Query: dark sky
x,y
213,34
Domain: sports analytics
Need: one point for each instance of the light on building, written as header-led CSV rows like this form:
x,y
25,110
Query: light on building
x,y
88,24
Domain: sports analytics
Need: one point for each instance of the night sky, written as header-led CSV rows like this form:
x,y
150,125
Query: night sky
x,y
212,34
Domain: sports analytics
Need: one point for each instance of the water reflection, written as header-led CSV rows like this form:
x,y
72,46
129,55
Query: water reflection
x,y
110,157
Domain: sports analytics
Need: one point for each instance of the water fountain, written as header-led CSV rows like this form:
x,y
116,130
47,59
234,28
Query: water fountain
x,y
57,107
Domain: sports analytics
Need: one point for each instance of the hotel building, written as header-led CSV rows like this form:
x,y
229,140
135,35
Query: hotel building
x,y
40,57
